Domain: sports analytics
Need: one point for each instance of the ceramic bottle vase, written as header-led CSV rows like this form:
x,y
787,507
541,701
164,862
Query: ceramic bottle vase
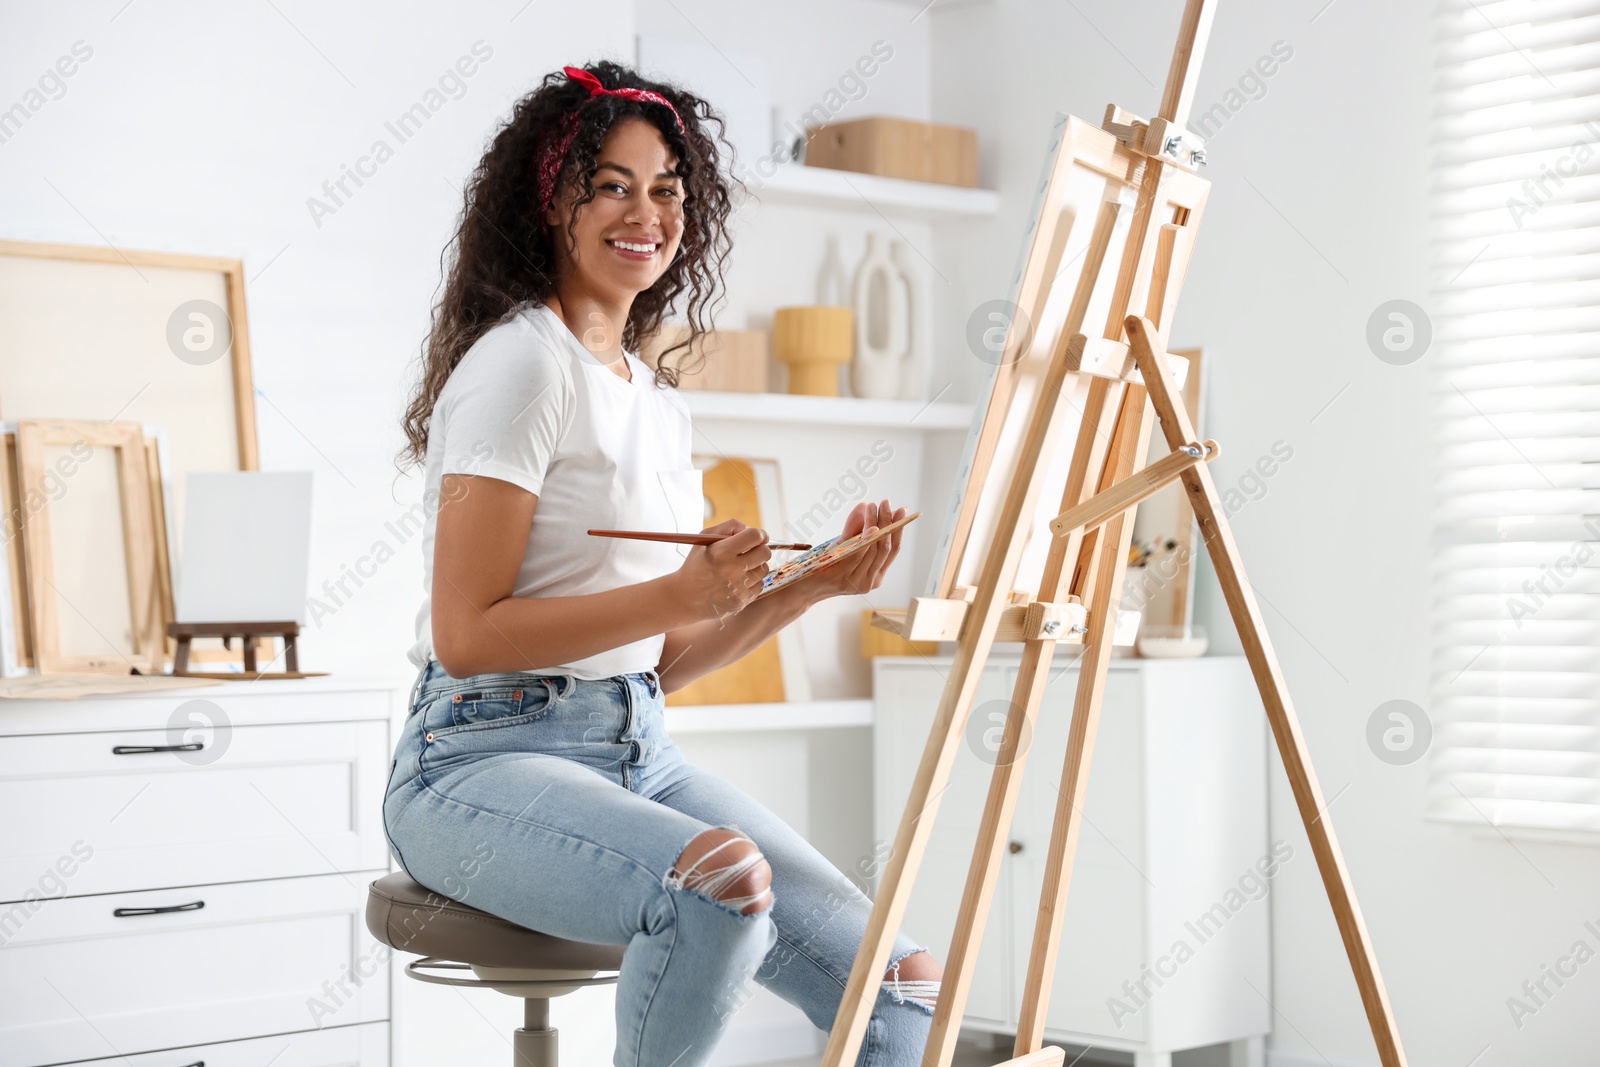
x,y
833,285
881,299
913,368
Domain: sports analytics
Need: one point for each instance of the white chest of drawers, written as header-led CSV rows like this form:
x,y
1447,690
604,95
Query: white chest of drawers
x,y
183,876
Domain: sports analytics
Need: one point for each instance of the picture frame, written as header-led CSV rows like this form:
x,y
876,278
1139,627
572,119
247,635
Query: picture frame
x,y
103,614
16,628
90,332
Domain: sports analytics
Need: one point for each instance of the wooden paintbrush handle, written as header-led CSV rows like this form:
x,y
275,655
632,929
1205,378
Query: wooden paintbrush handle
x,y
690,539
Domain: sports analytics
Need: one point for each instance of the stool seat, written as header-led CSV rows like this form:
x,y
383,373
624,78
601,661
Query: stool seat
x,y
413,918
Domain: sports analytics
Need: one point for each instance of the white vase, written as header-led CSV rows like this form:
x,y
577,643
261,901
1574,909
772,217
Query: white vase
x,y
833,287
880,312
914,365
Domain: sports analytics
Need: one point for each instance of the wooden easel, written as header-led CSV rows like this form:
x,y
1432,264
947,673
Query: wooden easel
x,y
1051,369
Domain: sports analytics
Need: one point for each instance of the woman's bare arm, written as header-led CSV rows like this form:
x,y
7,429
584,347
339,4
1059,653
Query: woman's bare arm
x,y
480,536
478,626
693,651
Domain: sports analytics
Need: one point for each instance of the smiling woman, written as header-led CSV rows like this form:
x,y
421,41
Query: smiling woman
x,y
544,654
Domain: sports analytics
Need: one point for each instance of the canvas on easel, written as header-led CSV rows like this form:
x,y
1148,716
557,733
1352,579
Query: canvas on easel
x,y
1037,541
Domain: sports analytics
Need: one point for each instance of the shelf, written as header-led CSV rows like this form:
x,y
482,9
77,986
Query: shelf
x,y
739,718
827,410
825,187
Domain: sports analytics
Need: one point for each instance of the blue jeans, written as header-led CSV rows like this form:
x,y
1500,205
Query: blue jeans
x,y
560,804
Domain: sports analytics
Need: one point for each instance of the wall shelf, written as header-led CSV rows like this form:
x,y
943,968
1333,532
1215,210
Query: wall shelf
x,y
827,410
825,187
806,715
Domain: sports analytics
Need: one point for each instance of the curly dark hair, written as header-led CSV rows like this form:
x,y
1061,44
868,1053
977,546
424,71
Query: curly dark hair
x,y
503,256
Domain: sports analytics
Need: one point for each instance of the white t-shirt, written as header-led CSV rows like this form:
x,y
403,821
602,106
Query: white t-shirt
x,y
528,404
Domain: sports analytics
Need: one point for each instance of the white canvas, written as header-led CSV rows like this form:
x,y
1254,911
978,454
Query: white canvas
x,y
246,547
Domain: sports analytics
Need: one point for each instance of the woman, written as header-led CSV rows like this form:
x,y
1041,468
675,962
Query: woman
x,y
535,779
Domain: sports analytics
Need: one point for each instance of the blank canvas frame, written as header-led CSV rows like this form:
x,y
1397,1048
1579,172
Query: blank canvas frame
x,y
95,333
103,613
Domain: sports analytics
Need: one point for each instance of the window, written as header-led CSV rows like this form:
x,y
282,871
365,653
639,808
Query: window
x,y
1516,403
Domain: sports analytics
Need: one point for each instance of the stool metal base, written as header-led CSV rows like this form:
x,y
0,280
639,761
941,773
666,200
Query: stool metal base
x,y
535,1043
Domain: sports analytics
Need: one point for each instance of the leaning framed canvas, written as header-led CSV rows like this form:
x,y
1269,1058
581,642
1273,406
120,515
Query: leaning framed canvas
x,y
99,610
748,489
151,337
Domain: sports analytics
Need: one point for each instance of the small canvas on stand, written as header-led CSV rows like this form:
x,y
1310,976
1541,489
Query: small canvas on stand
x,y
246,550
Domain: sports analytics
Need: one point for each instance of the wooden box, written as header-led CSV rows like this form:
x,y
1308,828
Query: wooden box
x,y
898,148
735,360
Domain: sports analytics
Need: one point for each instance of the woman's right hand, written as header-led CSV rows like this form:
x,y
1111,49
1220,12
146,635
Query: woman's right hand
x,y
720,579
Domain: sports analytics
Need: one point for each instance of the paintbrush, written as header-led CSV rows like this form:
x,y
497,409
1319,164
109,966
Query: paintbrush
x,y
694,539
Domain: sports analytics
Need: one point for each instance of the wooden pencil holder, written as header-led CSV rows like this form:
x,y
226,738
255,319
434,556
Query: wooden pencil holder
x,y
814,341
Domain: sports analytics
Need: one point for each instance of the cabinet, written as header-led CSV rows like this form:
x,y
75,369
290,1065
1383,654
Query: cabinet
x,y
1165,938
184,876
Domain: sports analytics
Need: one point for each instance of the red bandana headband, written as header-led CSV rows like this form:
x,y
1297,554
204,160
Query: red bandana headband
x,y
554,153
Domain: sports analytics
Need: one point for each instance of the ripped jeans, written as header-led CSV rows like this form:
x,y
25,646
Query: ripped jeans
x,y
561,804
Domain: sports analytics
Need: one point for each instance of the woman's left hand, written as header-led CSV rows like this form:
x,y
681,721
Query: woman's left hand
x,y
862,571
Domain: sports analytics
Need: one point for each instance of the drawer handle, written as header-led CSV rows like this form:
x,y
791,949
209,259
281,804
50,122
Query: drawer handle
x,y
193,905
132,750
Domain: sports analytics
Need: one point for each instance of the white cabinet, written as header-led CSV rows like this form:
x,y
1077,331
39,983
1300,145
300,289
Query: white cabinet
x,y
184,876
337,1046
1166,928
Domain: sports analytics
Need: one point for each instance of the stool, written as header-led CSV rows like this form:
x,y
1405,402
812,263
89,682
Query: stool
x,y
504,956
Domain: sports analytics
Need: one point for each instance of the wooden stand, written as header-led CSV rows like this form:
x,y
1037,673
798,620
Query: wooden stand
x,y
249,633
1112,378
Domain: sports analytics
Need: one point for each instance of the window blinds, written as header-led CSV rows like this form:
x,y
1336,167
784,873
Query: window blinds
x,y
1516,402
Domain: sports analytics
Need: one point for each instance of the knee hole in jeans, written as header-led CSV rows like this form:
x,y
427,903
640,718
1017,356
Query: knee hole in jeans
x,y
915,977
726,866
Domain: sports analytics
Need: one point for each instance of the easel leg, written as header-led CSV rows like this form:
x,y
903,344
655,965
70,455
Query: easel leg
x,y
1006,779
1111,548
1148,348
945,735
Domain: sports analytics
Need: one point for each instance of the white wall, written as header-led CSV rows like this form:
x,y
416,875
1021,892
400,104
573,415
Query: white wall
x,y
1319,213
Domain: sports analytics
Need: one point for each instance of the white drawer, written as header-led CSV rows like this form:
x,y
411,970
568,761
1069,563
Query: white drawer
x,y
279,801
270,957
366,1045
260,703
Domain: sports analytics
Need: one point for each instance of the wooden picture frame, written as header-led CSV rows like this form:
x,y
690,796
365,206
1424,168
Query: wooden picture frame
x,y
68,606
86,333
16,627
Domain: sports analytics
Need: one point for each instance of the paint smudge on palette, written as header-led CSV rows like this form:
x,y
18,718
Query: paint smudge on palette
x,y
824,554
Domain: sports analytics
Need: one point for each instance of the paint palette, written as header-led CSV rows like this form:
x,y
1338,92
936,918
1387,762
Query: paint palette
x,y
824,554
